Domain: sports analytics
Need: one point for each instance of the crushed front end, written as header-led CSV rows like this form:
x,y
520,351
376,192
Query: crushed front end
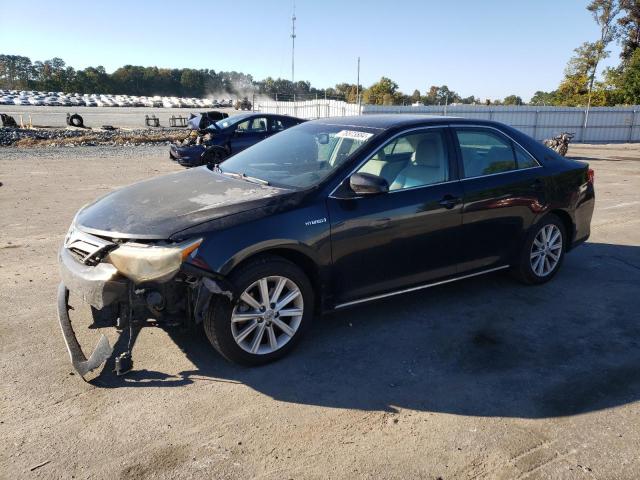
x,y
127,283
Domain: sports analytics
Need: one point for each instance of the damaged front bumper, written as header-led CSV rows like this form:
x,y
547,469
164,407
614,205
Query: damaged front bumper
x,y
101,286
101,352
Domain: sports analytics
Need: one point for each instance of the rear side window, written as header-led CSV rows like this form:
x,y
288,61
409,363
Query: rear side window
x,y
523,158
485,152
277,125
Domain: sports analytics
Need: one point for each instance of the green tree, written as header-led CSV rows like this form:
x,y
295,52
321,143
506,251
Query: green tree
x,y
16,72
604,13
512,100
415,97
192,83
628,81
441,96
574,88
381,93
629,28
541,98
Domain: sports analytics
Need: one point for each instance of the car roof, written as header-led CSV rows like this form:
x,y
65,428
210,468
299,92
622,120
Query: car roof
x,y
392,120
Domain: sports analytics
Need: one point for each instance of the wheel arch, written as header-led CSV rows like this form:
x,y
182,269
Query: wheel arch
x,y
293,252
569,226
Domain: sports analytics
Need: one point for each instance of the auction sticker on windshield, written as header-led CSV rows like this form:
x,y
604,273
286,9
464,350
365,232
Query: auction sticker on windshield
x,y
354,135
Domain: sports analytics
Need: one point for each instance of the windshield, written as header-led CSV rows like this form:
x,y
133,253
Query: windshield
x,y
301,156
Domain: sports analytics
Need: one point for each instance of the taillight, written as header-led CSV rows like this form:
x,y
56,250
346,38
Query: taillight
x,y
590,176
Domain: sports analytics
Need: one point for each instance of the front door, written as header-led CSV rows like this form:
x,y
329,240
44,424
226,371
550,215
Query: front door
x,y
407,236
249,133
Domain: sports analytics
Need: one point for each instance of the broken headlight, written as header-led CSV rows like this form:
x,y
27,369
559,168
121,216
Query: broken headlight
x,y
145,263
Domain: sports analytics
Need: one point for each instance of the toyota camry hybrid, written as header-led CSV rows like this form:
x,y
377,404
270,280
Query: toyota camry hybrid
x,y
325,215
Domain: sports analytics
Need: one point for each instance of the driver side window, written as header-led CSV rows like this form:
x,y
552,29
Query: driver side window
x,y
412,160
243,126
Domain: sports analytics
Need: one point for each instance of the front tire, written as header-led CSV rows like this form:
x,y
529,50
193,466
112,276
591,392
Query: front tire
x,y
272,309
213,156
542,252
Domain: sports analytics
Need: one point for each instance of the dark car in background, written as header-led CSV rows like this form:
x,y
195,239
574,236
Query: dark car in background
x,y
326,215
229,136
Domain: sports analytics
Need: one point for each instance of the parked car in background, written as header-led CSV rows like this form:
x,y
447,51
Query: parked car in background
x,y
325,215
202,120
229,136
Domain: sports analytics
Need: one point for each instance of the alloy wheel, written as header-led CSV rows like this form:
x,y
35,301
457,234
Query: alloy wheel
x,y
268,315
546,250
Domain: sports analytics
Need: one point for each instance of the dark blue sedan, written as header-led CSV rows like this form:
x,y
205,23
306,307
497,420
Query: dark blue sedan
x,y
229,136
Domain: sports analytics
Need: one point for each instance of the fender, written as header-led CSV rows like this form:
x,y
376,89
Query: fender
x,y
269,245
304,230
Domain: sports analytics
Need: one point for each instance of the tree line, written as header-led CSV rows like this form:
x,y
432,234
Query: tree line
x,y
618,21
54,75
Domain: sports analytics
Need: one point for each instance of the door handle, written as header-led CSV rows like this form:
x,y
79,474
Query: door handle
x,y
449,201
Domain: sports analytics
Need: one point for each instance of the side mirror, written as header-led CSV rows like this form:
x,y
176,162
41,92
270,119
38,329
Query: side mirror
x,y
368,184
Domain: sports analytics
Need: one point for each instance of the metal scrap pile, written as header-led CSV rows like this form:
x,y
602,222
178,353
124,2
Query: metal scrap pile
x,y
56,137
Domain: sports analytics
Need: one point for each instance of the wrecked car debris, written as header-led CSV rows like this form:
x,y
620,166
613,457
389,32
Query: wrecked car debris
x,y
202,120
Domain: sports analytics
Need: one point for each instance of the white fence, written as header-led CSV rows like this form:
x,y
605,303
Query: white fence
x,y
309,108
604,124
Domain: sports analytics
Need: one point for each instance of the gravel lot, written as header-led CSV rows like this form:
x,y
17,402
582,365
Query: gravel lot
x,y
483,378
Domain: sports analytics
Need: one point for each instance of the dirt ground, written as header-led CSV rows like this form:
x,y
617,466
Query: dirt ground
x,y
484,378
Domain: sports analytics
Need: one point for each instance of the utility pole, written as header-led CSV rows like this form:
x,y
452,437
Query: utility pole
x,y
293,43
358,86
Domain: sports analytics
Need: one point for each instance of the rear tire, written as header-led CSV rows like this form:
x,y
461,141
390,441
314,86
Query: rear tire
x,y
251,331
213,156
542,252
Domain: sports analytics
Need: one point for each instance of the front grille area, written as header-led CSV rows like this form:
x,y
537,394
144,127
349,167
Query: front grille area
x,y
87,249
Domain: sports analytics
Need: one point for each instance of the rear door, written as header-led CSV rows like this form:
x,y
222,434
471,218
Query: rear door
x,y
503,192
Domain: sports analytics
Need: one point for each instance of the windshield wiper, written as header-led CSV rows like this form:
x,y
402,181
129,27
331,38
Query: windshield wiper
x,y
254,179
241,176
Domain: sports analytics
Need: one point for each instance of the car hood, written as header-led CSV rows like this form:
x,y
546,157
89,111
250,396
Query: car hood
x,y
164,205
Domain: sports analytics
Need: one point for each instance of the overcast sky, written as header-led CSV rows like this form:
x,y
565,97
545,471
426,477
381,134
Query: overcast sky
x,y
489,48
